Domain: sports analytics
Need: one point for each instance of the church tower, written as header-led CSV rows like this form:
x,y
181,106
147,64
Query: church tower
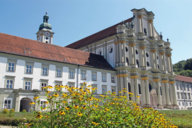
x,y
45,34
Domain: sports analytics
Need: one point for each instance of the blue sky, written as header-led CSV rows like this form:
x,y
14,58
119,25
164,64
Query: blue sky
x,y
73,20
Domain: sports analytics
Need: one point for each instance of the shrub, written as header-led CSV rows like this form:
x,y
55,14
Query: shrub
x,y
5,111
23,111
12,110
79,108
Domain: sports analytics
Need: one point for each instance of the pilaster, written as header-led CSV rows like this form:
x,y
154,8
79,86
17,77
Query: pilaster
x,y
159,100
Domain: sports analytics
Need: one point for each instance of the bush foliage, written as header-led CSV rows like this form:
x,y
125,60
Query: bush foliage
x,y
5,111
78,107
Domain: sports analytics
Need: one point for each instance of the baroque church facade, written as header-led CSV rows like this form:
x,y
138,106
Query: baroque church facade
x,y
130,54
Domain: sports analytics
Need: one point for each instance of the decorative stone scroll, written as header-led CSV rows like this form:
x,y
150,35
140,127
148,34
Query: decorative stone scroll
x,y
156,80
150,21
161,53
171,82
142,47
144,78
131,45
153,51
122,75
139,16
164,81
168,55
134,77
118,42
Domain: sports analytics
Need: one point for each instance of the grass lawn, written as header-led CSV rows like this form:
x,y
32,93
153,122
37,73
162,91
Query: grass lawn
x,y
181,118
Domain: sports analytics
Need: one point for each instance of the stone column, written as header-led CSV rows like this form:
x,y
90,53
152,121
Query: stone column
x,y
163,94
120,52
140,30
154,59
143,88
116,53
159,101
167,93
43,38
148,102
143,56
150,28
17,103
132,54
126,85
168,62
162,60
51,40
135,91
123,53
174,103
118,84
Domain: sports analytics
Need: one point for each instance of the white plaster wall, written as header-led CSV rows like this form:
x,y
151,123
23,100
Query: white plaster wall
x,y
111,56
37,77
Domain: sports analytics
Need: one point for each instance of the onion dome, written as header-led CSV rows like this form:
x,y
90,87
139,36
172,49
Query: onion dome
x,y
45,23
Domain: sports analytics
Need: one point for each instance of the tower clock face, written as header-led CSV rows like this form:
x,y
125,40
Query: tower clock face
x,y
47,34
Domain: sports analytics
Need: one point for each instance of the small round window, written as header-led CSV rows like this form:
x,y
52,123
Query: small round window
x,y
136,52
111,50
126,49
147,55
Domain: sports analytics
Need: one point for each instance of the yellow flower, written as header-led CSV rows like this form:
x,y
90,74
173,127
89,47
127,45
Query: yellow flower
x,y
119,91
49,97
84,107
35,97
95,123
64,102
67,108
56,95
112,103
47,91
39,116
80,99
32,103
109,91
76,106
138,96
95,105
91,98
43,108
65,124
50,87
101,95
84,83
46,102
79,114
64,95
89,86
28,124
44,87
130,93
61,86
61,113
106,109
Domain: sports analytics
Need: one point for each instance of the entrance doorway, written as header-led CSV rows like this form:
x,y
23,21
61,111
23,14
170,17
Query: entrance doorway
x,y
24,104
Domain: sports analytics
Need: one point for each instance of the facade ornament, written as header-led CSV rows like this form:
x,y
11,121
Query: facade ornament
x,y
161,37
167,39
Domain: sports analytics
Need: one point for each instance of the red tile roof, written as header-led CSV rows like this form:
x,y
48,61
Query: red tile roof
x,y
184,78
31,48
97,36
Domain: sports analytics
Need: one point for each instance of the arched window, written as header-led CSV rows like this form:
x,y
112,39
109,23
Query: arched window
x,y
136,51
127,60
147,55
111,50
148,64
137,63
129,87
126,49
145,31
139,86
150,87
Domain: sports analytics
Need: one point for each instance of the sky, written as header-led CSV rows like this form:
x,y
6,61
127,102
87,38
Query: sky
x,y
73,20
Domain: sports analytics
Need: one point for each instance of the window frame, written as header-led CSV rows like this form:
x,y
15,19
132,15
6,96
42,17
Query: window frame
x,y
103,86
9,78
43,81
11,61
85,75
56,71
95,76
45,66
113,77
29,63
104,74
27,80
11,99
73,70
43,105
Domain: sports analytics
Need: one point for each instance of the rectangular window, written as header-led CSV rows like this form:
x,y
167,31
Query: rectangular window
x,y
180,87
59,72
43,105
11,65
71,74
112,79
45,71
178,96
103,77
177,87
7,104
44,83
9,84
27,85
95,87
83,75
94,76
104,89
29,67
189,95
185,95
184,87
71,84
187,87
113,89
